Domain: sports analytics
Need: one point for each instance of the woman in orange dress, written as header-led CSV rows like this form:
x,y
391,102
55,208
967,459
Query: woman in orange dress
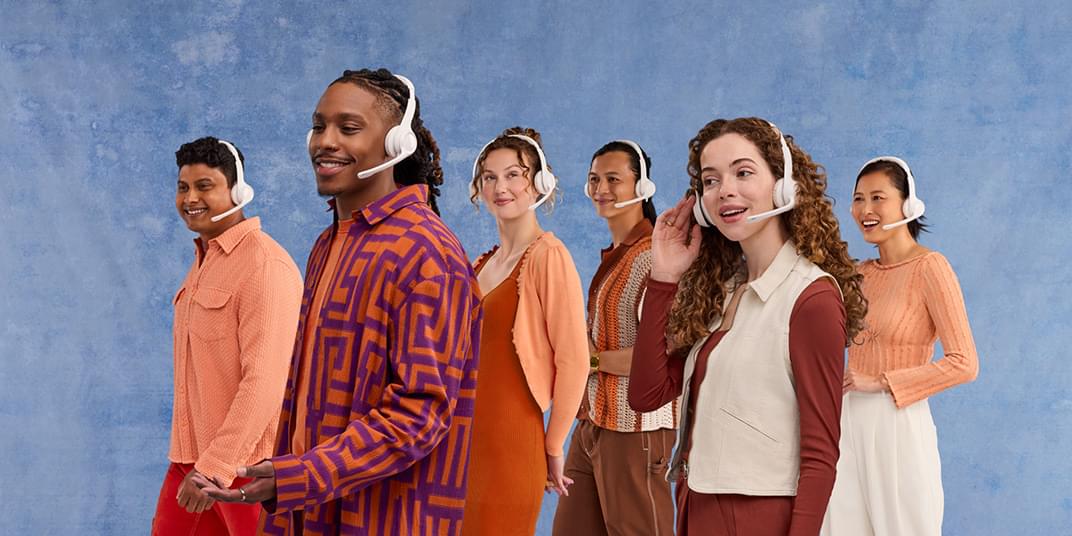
x,y
533,347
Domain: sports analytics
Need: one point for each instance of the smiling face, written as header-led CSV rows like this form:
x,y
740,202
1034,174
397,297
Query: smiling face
x,y
737,183
349,127
877,202
611,180
202,193
506,185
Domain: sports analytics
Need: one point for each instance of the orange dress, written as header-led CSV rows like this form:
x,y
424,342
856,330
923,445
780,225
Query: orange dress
x,y
507,464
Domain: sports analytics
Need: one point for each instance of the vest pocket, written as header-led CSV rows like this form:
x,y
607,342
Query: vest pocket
x,y
210,316
748,423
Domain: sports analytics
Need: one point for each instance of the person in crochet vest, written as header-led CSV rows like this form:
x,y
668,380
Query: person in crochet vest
x,y
617,456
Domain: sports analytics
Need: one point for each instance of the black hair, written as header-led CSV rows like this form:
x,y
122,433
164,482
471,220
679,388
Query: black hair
x,y
212,153
634,164
422,167
899,179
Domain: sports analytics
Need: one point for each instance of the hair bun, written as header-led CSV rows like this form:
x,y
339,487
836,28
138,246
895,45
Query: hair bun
x,y
529,132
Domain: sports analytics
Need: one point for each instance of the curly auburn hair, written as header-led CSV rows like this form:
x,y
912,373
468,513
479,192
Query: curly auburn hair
x,y
811,225
422,167
523,149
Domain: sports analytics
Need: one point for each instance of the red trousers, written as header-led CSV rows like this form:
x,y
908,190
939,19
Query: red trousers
x,y
222,519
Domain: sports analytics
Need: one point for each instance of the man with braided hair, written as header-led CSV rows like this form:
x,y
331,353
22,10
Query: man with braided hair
x,y
374,431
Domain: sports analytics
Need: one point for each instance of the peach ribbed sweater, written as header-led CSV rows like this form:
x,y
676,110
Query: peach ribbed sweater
x,y
911,304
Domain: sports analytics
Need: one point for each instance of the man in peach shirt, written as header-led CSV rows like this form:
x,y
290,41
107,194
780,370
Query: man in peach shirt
x,y
236,316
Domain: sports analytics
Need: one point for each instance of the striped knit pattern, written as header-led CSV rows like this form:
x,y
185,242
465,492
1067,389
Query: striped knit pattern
x,y
392,381
911,304
613,304
235,316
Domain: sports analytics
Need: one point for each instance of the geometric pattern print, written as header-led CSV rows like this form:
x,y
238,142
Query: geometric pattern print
x,y
613,322
392,381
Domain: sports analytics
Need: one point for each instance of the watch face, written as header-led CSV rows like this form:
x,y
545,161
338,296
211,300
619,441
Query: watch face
x,y
593,360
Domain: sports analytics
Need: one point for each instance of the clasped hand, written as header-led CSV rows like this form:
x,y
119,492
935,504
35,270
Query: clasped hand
x,y
261,489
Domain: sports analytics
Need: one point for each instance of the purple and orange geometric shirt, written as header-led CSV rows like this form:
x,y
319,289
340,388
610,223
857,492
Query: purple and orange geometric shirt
x,y
392,380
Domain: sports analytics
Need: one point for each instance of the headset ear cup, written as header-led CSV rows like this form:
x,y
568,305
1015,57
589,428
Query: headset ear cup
x,y
786,192
544,182
645,189
698,212
392,142
399,140
779,193
241,193
913,208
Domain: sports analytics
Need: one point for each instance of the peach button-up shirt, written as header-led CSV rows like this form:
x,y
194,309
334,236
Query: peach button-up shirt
x,y
236,317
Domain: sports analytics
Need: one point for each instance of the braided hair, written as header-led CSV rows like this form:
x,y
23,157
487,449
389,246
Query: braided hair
x,y
422,167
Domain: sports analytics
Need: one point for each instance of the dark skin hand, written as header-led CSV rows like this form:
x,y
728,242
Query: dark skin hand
x,y
191,496
261,489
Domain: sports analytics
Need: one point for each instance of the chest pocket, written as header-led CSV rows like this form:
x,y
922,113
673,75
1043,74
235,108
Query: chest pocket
x,y
212,314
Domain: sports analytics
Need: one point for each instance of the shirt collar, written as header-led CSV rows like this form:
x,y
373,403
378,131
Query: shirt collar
x,y
778,270
383,207
229,239
640,230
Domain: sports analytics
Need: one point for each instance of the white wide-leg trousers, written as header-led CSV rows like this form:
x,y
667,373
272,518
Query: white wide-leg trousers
x,y
889,477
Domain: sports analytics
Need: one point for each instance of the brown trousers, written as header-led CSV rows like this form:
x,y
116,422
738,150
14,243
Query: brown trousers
x,y
619,485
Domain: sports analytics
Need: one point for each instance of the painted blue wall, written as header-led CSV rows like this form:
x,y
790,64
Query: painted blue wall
x,y
96,96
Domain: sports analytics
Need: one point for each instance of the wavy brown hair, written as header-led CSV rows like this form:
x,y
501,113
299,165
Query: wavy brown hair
x,y
521,147
811,225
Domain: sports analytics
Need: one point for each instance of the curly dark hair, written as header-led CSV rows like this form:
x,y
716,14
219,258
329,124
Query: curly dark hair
x,y
521,147
899,180
634,164
811,224
422,167
212,153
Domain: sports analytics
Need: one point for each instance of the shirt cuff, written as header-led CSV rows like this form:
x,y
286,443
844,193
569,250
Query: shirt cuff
x,y
223,472
291,485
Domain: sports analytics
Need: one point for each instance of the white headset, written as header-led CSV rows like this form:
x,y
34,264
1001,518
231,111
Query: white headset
x,y
241,192
645,188
543,180
400,141
913,207
785,190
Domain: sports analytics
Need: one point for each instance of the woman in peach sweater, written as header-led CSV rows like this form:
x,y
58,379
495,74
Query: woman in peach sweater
x,y
533,345
889,479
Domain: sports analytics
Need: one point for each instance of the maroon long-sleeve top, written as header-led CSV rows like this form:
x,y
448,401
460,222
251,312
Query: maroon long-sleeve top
x,y
816,352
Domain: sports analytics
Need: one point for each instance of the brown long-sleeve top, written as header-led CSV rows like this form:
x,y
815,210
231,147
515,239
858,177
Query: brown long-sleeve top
x,y
910,304
816,353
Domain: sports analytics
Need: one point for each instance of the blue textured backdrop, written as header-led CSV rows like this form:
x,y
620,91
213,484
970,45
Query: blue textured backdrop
x,y
96,96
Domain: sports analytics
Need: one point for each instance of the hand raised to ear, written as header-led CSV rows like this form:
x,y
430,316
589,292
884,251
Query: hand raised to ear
x,y
675,242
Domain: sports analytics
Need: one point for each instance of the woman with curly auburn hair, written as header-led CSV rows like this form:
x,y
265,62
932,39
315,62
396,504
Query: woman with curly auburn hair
x,y
747,318
889,475
533,344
